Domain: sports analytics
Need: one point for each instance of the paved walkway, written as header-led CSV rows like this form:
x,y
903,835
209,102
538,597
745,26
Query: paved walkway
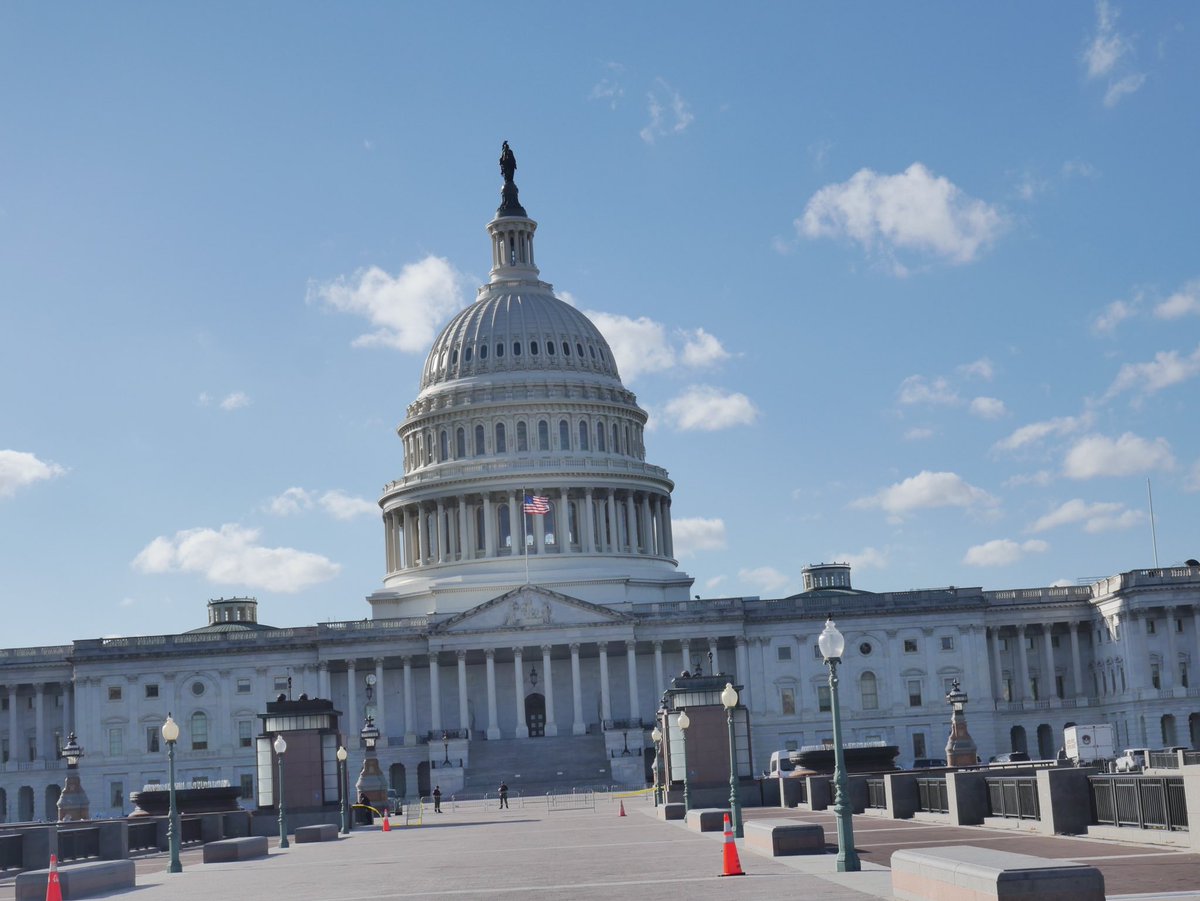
x,y
481,852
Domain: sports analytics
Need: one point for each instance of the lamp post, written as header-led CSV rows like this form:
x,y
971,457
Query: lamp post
x,y
684,722
280,750
170,734
371,781
445,749
656,736
73,802
341,759
729,697
832,643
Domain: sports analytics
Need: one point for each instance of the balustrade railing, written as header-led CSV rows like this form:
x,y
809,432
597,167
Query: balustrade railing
x,y
876,794
932,795
1013,797
1143,802
1167,760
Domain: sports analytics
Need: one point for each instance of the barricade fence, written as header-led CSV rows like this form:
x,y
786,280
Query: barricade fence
x,y
1143,802
932,796
1013,797
876,794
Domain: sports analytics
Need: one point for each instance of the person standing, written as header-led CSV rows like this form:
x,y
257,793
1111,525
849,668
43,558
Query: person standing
x,y
437,799
503,795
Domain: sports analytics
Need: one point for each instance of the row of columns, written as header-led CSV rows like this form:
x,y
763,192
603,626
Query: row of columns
x,y
41,749
613,521
1022,687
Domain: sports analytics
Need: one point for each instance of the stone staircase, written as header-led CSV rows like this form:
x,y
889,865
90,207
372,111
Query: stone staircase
x,y
537,765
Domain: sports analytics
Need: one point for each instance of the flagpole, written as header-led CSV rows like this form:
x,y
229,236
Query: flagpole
x,y
1153,532
524,542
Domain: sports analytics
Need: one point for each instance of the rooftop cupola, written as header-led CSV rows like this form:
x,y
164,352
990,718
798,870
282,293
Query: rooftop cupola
x,y
512,229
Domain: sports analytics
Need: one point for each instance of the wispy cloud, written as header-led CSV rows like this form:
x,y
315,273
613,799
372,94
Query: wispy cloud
x,y
609,88
1106,321
766,579
1003,552
19,469
917,389
867,558
235,401
1167,368
912,211
644,345
669,112
1035,432
1184,302
1095,516
1108,57
980,369
405,310
708,409
987,408
232,555
924,491
694,535
1095,456
336,503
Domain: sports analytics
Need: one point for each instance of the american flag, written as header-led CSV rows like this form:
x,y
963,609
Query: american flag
x,y
537,505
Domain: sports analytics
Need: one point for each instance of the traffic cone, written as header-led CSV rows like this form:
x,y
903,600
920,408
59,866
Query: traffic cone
x,y
622,809
732,865
387,827
53,889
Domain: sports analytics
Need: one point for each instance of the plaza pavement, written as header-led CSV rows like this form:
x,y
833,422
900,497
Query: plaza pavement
x,y
473,851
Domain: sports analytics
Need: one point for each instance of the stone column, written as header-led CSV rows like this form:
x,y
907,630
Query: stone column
x,y
68,690
355,715
714,662
489,527
548,691
996,664
668,532
435,694
323,679
1076,668
577,724
631,519
1048,692
975,639
422,537
658,526
1023,682
463,718
522,730
410,727
380,703
1171,664
635,714
659,681
442,555
605,705
39,720
516,523
539,533
562,525
644,525
742,662
589,525
614,524
685,651
493,729
464,545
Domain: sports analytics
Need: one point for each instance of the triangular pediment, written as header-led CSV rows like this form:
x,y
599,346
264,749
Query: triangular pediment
x,y
531,607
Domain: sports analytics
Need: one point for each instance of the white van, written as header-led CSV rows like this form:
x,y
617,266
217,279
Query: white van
x,y
781,764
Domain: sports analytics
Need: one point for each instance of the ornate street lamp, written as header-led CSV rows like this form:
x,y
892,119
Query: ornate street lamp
x,y
371,781
729,697
656,736
832,643
341,759
170,734
280,750
684,722
73,802
445,749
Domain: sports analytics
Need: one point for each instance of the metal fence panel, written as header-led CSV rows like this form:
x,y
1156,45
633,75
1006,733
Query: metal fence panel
x,y
1142,802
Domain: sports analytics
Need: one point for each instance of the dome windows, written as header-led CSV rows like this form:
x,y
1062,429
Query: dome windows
x,y
566,349
483,349
600,437
516,348
593,350
543,435
522,438
480,449
579,350
499,349
564,435
467,354
501,442
583,435
550,348
533,348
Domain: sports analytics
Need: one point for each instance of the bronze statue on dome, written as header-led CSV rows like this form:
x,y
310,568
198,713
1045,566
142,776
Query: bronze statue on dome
x,y
509,204
508,162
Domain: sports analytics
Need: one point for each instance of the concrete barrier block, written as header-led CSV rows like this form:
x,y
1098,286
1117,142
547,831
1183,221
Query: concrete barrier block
x,y
964,871
231,849
781,838
672,812
80,880
322,832
707,819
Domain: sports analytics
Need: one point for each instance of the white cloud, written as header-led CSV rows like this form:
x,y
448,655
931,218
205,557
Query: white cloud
x,y
344,506
988,408
926,490
867,558
404,310
766,578
1098,455
1113,315
1184,302
714,582
233,556
1003,552
19,469
1036,431
1166,369
702,349
981,368
1122,88
916,389
914,210
643,345
235,401
289,503
707,409
669,113
608,88
918,434
696,534
1041,478
1107,45
1192,481
1096,517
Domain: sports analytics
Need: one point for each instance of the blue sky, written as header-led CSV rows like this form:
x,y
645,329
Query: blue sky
x,y
914,286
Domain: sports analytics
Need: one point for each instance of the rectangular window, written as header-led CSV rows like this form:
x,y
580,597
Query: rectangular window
x,y
787,701
199,732
4,749
817,651
116,791
152,690
1183,680
1008,688
870,693
244,733
116,744
1178,625
33,748
823,703
914,692
247,783
1029,642
1004,644
1149,627
1054,641
784,653
114,692
947,642
153,736
4,703
1033,687
918,744
281,683
243,686
947,685
1058,687
910,646
1155,676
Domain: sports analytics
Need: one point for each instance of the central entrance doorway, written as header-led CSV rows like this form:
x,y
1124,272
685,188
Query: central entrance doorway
x,y
535,715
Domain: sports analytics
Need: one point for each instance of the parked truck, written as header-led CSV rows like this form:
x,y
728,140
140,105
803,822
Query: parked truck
x,y
1088,744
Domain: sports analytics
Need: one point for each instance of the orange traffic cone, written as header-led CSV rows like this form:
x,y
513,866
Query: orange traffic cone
x,y
387,827
53,889
733,866
622,809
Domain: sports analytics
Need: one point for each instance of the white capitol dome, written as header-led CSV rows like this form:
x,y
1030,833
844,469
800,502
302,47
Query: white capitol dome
x,y
520,396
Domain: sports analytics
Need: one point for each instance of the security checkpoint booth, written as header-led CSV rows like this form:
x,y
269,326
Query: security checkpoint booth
x,y
301,771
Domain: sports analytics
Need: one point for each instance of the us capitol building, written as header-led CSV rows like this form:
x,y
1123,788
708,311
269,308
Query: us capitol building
x,y
537,645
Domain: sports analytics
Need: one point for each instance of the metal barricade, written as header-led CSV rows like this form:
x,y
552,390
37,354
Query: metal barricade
x,y
932,796
876,794
1013,797
1142,802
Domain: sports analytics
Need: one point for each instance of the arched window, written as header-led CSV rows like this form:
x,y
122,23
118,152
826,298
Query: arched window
x,y
543,435
600,437
616,436
627,450
480,535
549,527
467,355
522,438
428,447
504,526
460,443
583,435
550,348
564,435
579,350
500,349
501,439
479,445
572,524
443,446
869,691
483,348
199,731
533,348
566,349
516,348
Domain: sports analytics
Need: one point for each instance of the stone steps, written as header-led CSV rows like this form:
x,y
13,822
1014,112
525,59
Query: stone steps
x,y
537,765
